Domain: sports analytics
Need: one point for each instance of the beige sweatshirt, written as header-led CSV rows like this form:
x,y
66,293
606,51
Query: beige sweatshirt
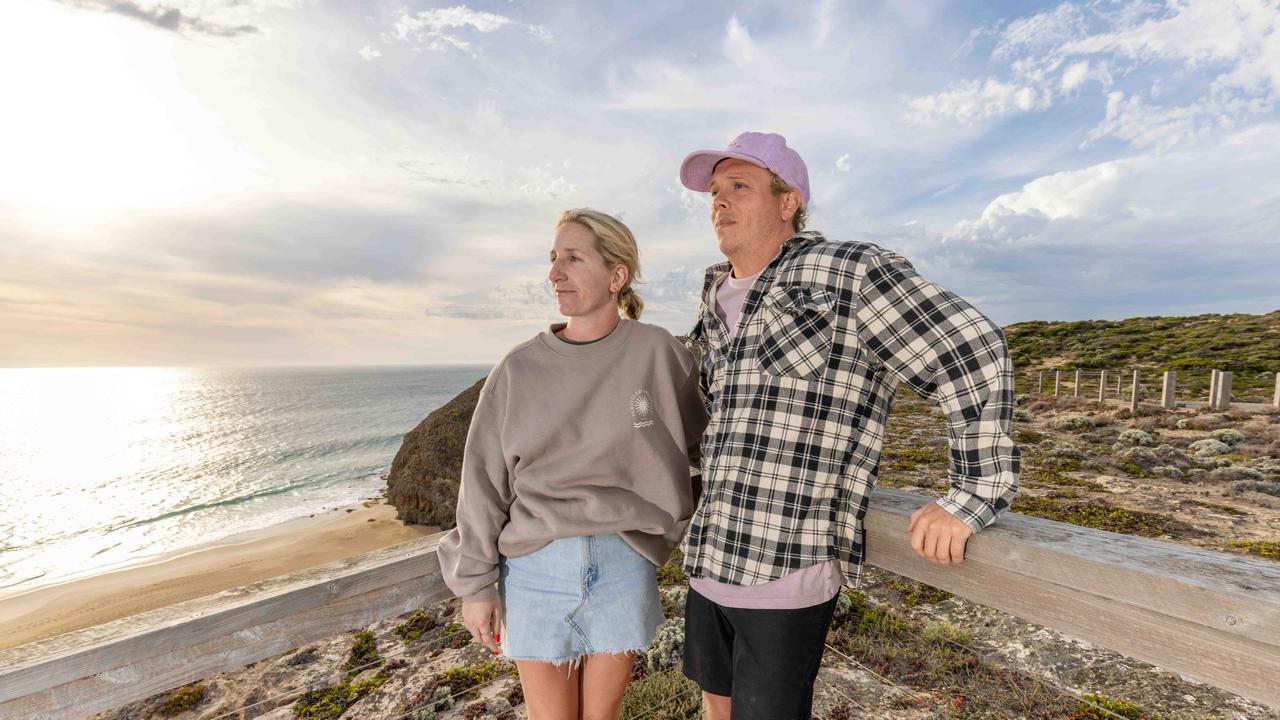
x,y
570,440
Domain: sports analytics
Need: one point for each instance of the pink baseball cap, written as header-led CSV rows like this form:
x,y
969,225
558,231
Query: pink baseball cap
x,y
768,150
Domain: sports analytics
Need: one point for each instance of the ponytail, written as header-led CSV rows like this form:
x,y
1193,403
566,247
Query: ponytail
x,y
629,303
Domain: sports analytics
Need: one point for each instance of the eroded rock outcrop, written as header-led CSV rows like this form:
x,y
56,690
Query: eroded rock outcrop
x,y
423,484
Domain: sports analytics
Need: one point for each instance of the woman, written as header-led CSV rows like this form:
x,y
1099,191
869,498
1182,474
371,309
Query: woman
x,y
575,482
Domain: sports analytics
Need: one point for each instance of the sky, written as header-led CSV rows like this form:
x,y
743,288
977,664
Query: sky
x,y
299,182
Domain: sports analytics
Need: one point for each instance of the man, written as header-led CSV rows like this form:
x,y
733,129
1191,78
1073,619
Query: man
x,y
804,342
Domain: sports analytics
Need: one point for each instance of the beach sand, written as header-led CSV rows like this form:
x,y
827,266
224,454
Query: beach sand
x,y
203,570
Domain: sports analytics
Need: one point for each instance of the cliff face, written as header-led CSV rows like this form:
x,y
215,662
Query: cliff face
x,y
423,484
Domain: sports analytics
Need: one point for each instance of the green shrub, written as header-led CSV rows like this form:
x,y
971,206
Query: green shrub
x,y
667,649
1229,436
1134,437
1209,446
182,700
1123,708
364,651
331,702
1075,423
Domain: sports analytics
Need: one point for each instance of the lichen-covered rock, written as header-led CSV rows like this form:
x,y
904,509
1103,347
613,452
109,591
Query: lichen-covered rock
x,y
1209,446
424,478
1168,471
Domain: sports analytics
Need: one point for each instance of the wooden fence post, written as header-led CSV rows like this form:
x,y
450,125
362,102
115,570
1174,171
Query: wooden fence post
x,y
1133,401
1224,390
1276,401
1119,378
1213,390
1102,387
1040,382
1168,394
1076,391
1057,381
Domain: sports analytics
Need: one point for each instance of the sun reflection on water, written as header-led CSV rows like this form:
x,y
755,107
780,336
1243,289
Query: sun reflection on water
x,y
79,443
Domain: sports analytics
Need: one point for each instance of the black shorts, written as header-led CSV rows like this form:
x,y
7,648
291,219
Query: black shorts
x,y
766,660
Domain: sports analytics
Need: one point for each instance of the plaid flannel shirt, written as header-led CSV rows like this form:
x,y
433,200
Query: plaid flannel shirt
x,y
798,400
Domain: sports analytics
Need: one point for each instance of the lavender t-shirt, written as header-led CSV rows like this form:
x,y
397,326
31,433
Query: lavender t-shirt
x,y
806,587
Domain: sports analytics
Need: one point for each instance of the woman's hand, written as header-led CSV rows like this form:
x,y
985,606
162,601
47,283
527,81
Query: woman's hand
x,y
484,620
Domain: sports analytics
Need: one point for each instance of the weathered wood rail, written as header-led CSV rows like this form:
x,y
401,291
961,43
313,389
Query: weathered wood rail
x,y
1207,615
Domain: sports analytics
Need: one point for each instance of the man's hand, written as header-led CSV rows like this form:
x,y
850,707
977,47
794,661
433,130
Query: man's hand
x,y
937,534
484,620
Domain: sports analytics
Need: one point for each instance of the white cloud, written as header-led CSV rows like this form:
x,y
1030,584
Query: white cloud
x,y
738,45
1147,126
822,21
977,100
842,163
1185,198
542,34
1041,32
1051,55
369,53
1075,75
433,29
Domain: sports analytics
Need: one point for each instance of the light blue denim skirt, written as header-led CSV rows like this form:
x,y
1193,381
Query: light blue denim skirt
x,y
577,597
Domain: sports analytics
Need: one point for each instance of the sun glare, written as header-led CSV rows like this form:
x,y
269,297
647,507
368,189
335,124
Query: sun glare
x,y
98,119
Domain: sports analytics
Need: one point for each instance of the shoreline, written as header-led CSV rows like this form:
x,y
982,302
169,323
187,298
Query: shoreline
x,y
199,570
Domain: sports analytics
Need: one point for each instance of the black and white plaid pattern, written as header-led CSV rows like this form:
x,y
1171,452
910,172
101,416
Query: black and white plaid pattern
x,y
799,397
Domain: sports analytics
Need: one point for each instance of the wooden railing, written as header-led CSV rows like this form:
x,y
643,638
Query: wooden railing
x,y
1207,615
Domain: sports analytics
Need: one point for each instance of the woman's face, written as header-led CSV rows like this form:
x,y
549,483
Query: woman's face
x,y
582,283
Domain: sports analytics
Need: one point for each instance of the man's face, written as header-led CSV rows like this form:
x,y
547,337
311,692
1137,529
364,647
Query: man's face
x,y
745,212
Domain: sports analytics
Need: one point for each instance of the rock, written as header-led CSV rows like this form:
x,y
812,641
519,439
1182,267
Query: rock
x,y
424,478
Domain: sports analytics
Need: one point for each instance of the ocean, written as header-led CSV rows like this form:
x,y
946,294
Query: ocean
x,y
103,467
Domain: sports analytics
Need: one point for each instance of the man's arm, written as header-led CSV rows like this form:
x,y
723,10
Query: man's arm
x,y
949,353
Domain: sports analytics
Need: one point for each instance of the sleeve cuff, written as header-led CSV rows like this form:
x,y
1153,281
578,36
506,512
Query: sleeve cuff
x,y
968,508
485,594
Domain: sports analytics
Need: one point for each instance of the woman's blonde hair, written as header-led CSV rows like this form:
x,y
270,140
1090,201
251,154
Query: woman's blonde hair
x,y
618,246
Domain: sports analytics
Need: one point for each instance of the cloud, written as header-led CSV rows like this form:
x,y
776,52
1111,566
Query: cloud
x,y
519,301
165,17
822,21
368,53
1075,75
976,100
738,45
434,29
542,35
1217,193
842,163
1051,55
1041,32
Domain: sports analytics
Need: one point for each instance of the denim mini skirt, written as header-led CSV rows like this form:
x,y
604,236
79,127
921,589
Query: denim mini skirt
x,y
576,597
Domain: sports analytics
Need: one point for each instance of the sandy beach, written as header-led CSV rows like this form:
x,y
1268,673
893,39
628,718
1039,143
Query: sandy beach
x,y
202,570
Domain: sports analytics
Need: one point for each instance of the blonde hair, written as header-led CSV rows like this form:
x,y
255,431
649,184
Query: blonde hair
x,y
779,186
618,246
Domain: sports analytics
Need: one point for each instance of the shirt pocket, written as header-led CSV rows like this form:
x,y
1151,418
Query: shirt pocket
x,y
795,338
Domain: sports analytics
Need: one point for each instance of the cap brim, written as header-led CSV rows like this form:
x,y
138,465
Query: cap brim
x,y
695,171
